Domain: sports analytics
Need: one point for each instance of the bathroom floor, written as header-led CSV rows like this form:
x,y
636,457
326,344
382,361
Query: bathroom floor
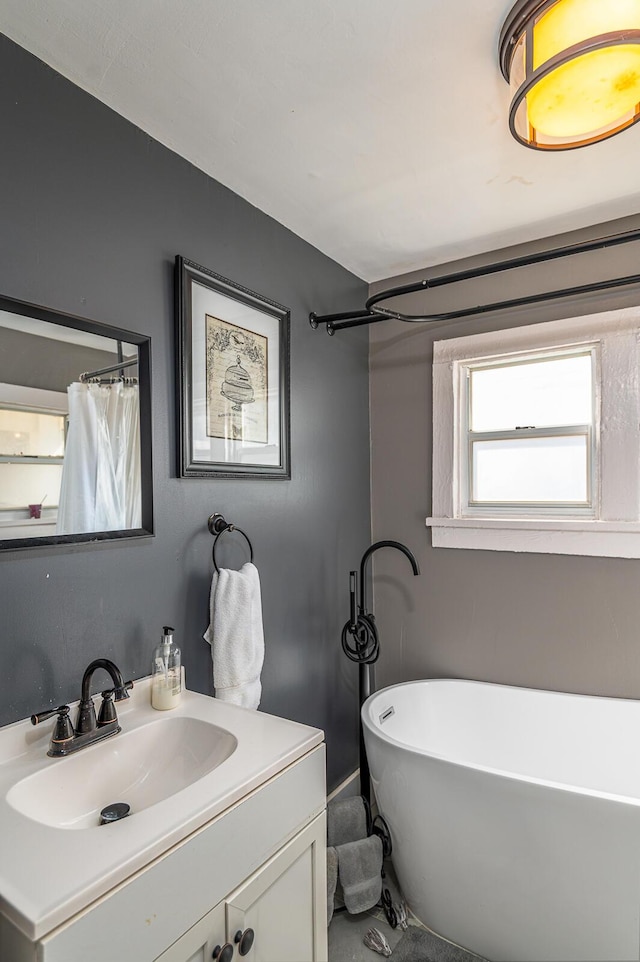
x,y
346,932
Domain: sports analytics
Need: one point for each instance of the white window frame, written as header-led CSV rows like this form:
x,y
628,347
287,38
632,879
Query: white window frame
x,y
468,508
613,528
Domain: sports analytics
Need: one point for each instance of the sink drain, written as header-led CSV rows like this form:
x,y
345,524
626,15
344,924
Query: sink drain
x,y
114,812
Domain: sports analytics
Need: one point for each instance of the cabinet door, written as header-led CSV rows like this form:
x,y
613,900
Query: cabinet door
x,y
284,903
198,943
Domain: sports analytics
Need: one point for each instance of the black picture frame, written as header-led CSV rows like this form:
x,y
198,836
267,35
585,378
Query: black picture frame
x,y
232,377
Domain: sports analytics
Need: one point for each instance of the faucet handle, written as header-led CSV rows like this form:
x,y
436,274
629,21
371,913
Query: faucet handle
x,y
123,692
107,709
49,713
62,733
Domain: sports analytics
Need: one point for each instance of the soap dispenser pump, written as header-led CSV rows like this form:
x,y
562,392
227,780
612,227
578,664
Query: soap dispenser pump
x,y
166,677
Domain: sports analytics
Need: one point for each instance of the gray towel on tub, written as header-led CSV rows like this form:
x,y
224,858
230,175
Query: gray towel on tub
x,y
346,820
360,871
332,880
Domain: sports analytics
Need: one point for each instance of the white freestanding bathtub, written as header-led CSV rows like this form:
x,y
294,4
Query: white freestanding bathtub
x,y
514,816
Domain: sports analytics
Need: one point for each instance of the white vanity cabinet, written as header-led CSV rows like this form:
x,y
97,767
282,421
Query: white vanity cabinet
x,y
260,865
278,910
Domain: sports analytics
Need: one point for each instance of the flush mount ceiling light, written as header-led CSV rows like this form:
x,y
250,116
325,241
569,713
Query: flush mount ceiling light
x,y
574,70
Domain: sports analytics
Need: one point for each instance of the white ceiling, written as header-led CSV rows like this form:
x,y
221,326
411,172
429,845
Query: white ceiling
x,y
374,129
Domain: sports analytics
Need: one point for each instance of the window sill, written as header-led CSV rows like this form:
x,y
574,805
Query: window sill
x,y
608,539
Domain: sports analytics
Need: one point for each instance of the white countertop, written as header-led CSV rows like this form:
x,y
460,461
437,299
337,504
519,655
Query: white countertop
x,y
48,874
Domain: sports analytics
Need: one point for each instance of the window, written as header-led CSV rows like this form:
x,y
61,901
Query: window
x,y
536,438
529,438
32,440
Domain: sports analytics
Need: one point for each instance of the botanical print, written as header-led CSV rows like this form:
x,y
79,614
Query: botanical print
x,y
237,382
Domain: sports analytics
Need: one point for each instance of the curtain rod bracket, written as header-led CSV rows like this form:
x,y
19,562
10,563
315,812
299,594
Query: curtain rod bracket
x,y
315,323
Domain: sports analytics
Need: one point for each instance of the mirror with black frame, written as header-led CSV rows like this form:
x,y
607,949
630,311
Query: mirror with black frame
x,y
75,429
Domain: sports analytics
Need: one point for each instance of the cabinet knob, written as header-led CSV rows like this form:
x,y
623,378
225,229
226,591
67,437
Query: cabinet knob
x,y
244,940
223,953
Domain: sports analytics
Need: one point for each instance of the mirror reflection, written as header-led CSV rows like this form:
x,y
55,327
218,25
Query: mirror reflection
x,y
74,438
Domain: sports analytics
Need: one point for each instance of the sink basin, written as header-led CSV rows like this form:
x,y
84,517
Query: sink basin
x,y
140,767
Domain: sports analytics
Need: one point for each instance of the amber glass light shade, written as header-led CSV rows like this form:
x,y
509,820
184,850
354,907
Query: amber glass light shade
x,y
574,70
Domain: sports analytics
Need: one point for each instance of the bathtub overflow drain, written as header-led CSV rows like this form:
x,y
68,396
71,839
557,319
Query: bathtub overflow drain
x,y
114,812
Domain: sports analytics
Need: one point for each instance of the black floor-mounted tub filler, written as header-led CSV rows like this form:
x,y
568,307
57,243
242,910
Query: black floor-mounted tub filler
x,y
361,643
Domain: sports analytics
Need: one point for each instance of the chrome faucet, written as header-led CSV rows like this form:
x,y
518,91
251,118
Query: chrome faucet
x,y
67,739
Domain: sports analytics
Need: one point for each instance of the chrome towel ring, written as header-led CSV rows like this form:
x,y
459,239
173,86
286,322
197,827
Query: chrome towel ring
x,y
217,526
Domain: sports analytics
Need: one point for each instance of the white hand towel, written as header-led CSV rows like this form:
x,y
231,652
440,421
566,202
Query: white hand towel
x,y
236,635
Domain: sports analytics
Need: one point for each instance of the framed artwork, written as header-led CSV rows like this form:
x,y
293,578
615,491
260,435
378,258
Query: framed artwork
x,y
233,378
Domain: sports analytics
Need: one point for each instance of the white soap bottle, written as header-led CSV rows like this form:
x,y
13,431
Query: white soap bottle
x,y
166,677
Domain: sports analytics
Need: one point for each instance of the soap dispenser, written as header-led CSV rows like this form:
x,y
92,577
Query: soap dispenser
x,y
166,677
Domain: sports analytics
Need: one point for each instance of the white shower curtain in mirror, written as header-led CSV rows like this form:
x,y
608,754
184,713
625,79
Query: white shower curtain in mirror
x,y
101,483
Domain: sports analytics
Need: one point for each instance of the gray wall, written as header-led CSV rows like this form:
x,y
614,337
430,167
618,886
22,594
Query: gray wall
x,y
45,363
548,621
93,213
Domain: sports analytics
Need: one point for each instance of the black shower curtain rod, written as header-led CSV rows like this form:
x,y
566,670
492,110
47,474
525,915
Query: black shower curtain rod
x,y
371,314
88,375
